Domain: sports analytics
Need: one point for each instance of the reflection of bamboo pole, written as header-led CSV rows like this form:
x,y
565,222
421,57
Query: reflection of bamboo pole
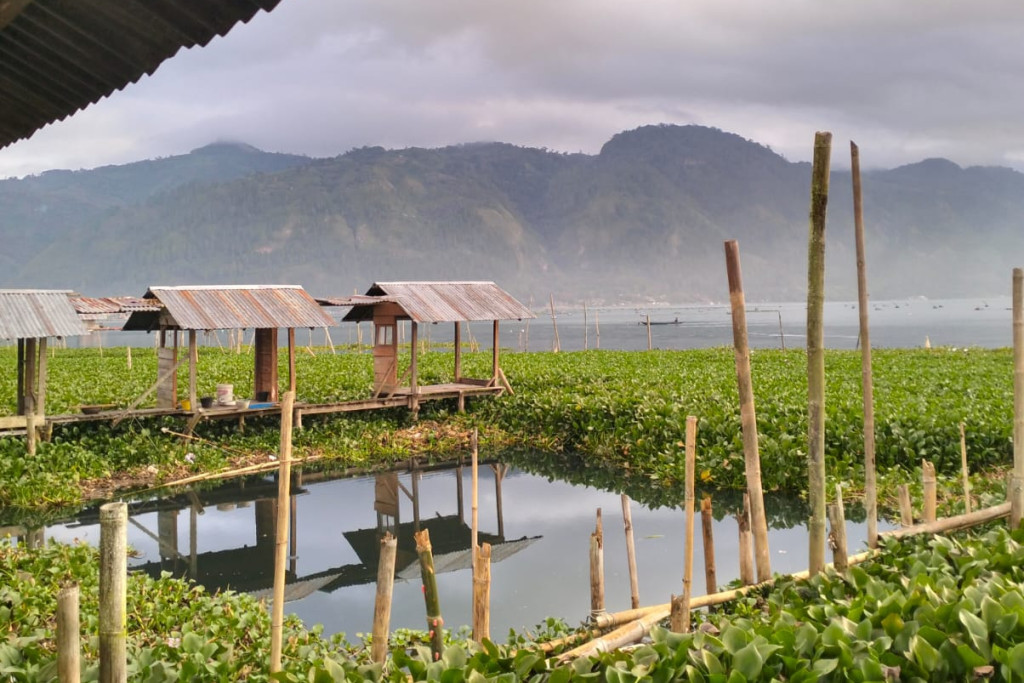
x,y
906,510
435,622
965,474
867,385
746,560
816,353
597,568
707,521
69,645
1017,487
482,592
837,520
556,346
748,417
281,543
627,523
928,485
382,602
113,592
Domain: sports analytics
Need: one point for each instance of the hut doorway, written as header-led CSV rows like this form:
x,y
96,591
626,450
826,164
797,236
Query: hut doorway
x,y
385,354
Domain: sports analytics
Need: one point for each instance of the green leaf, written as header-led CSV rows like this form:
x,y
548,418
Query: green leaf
x,y
978,633
748,661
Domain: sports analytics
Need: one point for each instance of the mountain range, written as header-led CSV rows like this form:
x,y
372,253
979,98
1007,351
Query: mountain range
x,y
644,219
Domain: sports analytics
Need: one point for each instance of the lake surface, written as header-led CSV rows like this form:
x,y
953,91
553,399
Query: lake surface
x,y
539,530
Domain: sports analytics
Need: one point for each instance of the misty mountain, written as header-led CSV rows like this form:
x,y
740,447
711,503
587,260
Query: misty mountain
x,y
645,217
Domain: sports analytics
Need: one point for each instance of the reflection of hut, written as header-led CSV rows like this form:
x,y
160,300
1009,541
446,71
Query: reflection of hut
x,y
265,308
387,304
31,316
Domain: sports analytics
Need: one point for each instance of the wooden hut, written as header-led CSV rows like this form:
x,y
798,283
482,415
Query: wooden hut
x,y
31,317
264,308
387,304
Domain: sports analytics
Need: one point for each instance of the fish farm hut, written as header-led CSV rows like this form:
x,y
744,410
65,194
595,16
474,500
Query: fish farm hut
x,y
265,308
31,317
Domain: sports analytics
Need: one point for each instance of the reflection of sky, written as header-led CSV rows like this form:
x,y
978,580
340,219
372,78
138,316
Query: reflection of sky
x,y
547,578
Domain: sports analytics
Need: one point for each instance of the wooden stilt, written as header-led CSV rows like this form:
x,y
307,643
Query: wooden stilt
x,y
929,487
382,602
113,592
906,510
69,638
707,521
435,622
281,541
597,569
627,523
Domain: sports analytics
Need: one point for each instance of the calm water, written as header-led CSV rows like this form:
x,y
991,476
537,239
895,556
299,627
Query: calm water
x,y
540,540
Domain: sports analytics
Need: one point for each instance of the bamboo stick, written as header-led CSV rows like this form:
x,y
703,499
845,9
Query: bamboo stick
x,y
597,568
482,592
69,638
281,541
1017,489
556,346
746,558
867,384
627,523
707,520
586,328
965,474
691,457
648,331
113,592
954,523
929,486
906,510
837,520
816,353
435,622
382,602
597,329
748,417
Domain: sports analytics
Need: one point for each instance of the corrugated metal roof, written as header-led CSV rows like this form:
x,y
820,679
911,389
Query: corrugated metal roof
x,y
59,56
234,307
436,302
37,313
86,305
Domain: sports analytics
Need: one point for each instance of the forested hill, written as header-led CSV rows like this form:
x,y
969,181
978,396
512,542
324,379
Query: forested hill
x,y
646,217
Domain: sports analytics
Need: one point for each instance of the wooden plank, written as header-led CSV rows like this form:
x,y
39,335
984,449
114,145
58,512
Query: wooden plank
x,y
13,422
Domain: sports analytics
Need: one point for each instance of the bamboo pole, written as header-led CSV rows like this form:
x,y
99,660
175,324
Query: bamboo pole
x,y
597,329
816,353
586,328
707,520
929,486
69,638
837,520
954,523
435,622
382,602
782,335
691,457
526,342
597,569
964,472
867,383
748,417
41,369
474,509
648,331
746,558
906,510
482,592
113,592
281,540
556,346
627,523
1017,489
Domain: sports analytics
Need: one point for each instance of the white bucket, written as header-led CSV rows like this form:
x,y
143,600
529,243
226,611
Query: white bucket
x,y
225,394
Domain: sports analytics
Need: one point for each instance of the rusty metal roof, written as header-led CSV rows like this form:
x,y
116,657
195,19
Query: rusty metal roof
x,y
38,313
436,302
59,56
86,305
224,307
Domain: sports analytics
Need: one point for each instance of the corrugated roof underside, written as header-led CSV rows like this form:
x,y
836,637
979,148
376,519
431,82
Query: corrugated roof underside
x,y
435,302
59,56
33,314
209,308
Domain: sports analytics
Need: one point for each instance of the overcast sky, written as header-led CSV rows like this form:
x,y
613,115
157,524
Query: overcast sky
x,y
906,80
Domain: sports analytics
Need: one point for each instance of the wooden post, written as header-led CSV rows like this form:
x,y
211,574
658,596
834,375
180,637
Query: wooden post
x,y
284,477
627,523
691,456
906,510
382,602
556,346
837,520
330,342
586,328
21,377
1017,489
649,332
31,353
782,335
458,351
494,358
291,359
964,472
414,380
928,485
482,592
31,436
748,417
435,622
113,592
41,384
816,353
746,558
193,369
69,638
597,569
475,489
707,521
867,384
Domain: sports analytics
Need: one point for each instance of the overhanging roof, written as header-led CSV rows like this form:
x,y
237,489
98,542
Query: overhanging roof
x,y
436,302
230,307
38,313
59,56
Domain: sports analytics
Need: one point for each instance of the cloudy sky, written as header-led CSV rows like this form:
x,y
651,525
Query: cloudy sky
x,y
906,80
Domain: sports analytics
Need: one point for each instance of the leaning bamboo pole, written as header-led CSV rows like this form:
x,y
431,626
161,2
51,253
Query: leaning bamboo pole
x,y
435,622
113,592
816,353
627,523
556,346
382,600
69,638
748,417
867,384
1017,487
281,541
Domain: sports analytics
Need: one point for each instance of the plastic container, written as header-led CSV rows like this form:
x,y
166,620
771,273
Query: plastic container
x,y
225,394
186,405
206,401
242,403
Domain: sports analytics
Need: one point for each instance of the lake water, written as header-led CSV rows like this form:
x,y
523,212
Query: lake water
x,y
539,530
